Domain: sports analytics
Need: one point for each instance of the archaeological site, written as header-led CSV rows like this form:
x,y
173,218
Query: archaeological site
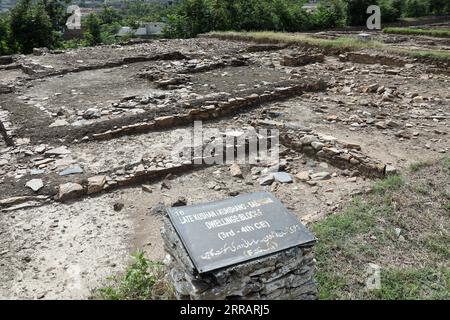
x,y
228,166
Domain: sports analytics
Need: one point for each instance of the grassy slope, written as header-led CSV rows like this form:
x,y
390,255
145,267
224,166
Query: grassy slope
x,y
342,43
414,264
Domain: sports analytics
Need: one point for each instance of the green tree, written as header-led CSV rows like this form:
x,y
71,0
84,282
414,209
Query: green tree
x,y
56,11
4,36
198,14
192,17
109,15
416,8
439,6
331,13
357,11
92,27
389,11
31,27
220,15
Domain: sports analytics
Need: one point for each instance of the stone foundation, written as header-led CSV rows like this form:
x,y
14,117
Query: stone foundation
x,y
372,58
297,60
288,274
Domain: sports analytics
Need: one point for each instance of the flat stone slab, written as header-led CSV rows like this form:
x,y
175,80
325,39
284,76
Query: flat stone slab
x,y
228,232
71,170
283,177
35,184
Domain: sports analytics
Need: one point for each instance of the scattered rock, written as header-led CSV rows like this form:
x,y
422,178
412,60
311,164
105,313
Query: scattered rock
x,y
140,170
390,170
40,149
72,170
95,184
165,184
158,210
59,123
61,151
282,177
317,145
181,201
302,176
69,191
321,176
266,180
118,206
147,188
236,171
35,184
91,113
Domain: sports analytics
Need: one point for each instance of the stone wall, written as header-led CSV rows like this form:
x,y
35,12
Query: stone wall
x,y
374,58
297,60
286,275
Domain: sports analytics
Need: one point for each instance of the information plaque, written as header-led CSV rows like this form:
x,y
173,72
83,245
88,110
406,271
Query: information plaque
x,y
224,233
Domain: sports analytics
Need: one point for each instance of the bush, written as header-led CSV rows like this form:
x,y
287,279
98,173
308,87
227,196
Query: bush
x,y
330,13
92,28
31,27
439,6
389,11
4,36
416,8
357,11
143,280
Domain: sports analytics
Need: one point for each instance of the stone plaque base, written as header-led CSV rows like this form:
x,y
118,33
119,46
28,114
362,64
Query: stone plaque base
x,y
288,274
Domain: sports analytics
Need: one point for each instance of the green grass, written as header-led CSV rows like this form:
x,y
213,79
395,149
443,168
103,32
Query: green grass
x,y
447,206
416,166
391,183
439,33
143,280
414,263
413,284
446,163
342,44
347,43
438,244
434,54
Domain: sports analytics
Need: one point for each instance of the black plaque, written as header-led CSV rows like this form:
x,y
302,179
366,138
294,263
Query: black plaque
x,y
231,231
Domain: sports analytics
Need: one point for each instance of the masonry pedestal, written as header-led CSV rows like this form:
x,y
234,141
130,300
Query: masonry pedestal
x,y
287,274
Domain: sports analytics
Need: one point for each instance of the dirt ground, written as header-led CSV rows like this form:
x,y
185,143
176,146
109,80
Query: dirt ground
x,y
48,249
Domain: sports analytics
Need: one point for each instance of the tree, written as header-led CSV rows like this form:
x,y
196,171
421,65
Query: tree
x,y
56,11
92,27
331,13
31,27
191,18
198,14
440,6
416,8
42,32
109,15
4,36
389,11
356,11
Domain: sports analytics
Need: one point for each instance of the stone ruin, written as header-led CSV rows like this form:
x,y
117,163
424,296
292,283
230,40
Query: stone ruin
x,y
301,59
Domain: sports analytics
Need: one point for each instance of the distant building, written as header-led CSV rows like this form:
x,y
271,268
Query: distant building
x,y
311,5
6,5
147,30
